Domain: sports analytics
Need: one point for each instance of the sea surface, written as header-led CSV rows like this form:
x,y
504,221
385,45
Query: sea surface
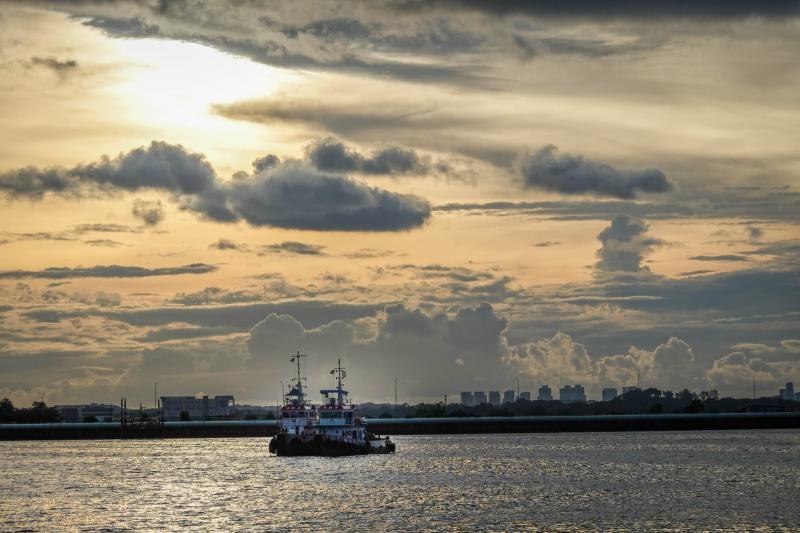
x,y
666,481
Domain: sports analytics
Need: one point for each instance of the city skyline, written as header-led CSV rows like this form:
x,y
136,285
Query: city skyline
x,y
439,193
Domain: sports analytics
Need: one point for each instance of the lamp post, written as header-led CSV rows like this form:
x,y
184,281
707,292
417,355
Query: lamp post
x,y
395,397
155,398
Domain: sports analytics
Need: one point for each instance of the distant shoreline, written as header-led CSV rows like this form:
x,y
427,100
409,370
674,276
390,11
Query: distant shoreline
x,y
413,426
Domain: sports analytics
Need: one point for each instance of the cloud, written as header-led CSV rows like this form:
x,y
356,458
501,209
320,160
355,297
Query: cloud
x,y
215,295
737,371
764,204
754,233
671,365
160,166
624,245
151,212
555,360
107,271
108,243
287,196
574,174
722,257
332,155
227,244
58,66
295,196
265,162
105,228
294,247
546,244
588,9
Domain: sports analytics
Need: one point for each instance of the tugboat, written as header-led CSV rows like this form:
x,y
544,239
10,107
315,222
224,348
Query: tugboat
x,y
331,429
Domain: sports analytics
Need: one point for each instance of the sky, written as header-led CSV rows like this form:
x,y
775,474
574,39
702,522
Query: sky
x,y
455,194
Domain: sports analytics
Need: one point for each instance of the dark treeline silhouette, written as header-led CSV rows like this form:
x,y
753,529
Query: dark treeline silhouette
x,y
646,401
37,412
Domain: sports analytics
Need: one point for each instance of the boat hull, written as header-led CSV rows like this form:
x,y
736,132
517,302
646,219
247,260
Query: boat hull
x,y
295,446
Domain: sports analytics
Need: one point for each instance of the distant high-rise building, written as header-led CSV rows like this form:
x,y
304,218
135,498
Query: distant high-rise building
x,y
494,397
626,390
467,399
609,393
545,393
480,397
569,393
197,407
787,393
525,396
509,396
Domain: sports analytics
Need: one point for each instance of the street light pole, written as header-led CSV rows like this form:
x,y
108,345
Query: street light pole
x,y
155,397
395,397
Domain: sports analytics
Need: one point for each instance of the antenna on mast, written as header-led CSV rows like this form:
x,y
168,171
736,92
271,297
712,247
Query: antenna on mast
x,y
296,358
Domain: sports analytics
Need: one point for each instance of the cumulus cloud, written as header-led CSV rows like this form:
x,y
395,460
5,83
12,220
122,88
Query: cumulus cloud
x,y
151,212
624,245
295,196
561,360
288,196
558,359
107,271
574,174
263,163
671,365
737,370
332,155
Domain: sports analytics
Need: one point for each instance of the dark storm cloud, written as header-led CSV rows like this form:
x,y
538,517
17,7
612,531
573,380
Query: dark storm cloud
x,y
330,154
287,196
160,166
625,243
294,196
574,174
619,9
107,271
294,247
151,212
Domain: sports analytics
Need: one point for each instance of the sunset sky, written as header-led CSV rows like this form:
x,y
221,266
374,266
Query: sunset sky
x,y
455,194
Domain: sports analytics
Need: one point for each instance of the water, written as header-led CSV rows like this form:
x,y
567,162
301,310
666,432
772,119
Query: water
x,y
675,481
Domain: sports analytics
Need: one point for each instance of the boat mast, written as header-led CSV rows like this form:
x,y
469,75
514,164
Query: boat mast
x,y
340,374
299,378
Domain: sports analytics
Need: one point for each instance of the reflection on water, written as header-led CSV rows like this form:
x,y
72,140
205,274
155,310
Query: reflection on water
x,y
677,481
